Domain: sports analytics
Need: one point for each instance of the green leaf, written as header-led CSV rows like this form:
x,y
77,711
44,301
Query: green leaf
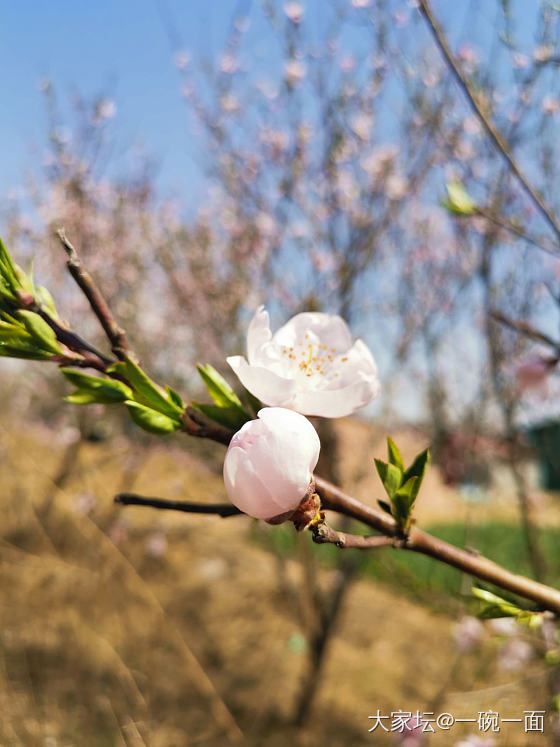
x,y
46,301
90,397
151,420
151,393
403,500
105,391
23,280
417,469
459,201
40,331
175,397
391,476
394,454
218,388
230,417
7,268
26,353
494,606
386,507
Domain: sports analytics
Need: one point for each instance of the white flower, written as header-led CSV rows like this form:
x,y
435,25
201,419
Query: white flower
x,y
309,365
269,463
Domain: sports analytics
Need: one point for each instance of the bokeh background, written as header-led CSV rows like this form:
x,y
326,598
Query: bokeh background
x,y
207,158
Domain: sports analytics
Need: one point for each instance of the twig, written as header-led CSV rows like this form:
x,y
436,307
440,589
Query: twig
x,y
92,358
526,329
496,137
513,228
219,509
324,534
115,335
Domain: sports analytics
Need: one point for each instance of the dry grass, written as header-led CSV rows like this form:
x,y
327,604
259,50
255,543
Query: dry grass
x,y
113,645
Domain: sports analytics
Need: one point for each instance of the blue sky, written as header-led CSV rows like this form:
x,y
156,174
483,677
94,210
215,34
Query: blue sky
x,y
124,48
119,47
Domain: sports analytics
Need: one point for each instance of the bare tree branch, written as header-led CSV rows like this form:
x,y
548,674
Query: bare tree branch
x,y
218,509
526,329
100,307
494,134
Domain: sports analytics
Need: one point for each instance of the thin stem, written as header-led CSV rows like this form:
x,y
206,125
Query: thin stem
x,y
526,329
92,358
219,509
513,228
324,534
115,334
494,134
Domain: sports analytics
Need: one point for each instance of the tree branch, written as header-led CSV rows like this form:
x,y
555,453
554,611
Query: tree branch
x,y
100,307
324,534
507,225
526,329
418,541
494,134
220,509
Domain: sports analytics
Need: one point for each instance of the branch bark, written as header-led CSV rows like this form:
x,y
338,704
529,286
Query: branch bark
x,y
115,334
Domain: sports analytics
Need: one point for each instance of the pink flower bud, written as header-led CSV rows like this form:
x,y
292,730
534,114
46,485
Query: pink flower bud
x,y
269,463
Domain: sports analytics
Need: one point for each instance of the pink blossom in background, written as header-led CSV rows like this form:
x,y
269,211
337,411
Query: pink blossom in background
x,y
269,463
156,545
550,105
294,11
533,372
361,124
294,70
85,503
468,54
118,533
310,365
182,59
514,655
411,734
504,626
543,53
228,64
347,63
520,60
468,633
229,103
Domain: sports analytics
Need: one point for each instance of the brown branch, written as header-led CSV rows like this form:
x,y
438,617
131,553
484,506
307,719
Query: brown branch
x,y
494,134
220,509
197,424
508,225
526,329
92,358
99,306
418,541
324,534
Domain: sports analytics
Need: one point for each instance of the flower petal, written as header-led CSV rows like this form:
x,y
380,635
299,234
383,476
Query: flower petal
x,y
264,384
330,330
337,403
252,494
258,334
